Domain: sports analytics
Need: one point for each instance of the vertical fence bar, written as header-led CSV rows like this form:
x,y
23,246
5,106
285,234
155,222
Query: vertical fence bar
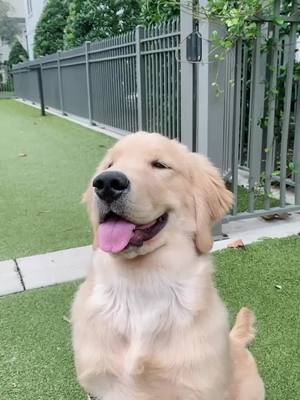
x,y
131,67
165,97
236,126
127,94
107,68
115,81
178,97
147,89
156,97
152,83
125,97
257,107
297,149
161,100
169,83
134,85
287,109
271,108
173,44
88,81
140,76
243,102
60,89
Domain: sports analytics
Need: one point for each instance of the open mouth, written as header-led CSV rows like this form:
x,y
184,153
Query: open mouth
x,y
115,233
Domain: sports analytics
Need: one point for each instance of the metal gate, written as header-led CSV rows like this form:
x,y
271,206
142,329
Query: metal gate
x,y
246,114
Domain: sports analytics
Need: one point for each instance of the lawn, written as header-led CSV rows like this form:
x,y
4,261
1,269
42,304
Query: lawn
x,y
45,164
35,352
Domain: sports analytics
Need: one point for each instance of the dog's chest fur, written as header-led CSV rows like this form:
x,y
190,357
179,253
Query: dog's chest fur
x,y
144,313
136,309
148,329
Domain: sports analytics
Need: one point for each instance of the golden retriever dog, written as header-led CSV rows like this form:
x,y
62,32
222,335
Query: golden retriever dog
x,y
148,323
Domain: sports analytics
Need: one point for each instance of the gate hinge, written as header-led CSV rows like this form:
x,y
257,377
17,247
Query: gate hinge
x,y
194,47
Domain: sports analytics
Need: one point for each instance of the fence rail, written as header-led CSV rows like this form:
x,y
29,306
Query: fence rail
x,y
130,82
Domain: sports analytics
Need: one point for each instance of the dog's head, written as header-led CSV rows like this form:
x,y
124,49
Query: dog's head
x,y
149,188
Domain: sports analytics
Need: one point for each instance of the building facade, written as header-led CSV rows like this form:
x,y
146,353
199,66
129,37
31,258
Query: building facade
x,y
16,13
33,11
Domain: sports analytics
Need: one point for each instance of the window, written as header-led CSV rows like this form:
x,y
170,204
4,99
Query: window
x,y
29,7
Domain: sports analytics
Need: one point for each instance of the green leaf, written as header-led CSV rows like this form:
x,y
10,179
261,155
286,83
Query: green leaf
x,y
275,173
278,20
292,166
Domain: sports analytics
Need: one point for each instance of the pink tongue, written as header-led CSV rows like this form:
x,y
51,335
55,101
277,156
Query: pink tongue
x,y
114,235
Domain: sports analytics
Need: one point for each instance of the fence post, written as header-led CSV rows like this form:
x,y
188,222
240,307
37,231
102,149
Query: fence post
x,y
61,98
140,76
88,81
187,89
211,85
41,89
297,149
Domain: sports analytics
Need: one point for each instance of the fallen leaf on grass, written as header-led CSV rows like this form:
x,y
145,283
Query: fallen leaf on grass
x,y
42,212
236,244
271,217
22,155
66,319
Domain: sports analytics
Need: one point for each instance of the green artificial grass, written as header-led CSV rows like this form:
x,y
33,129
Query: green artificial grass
x,y
266,278
36,356
45,164
36,360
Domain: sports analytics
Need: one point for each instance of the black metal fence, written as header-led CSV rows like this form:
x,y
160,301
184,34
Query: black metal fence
x,y
129,82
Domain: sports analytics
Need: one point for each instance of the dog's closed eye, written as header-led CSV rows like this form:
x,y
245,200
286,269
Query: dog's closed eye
x,y
159,165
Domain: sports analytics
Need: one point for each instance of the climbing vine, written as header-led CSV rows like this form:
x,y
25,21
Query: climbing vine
x,y
243,19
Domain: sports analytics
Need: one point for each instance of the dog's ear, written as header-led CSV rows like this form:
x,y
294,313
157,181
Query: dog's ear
x,y
88,198
211,199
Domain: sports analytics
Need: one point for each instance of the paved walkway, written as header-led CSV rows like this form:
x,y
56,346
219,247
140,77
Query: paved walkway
x,y
71,264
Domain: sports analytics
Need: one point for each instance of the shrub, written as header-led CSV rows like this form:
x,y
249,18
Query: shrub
x,y
50,28
157,11
97,19
17,54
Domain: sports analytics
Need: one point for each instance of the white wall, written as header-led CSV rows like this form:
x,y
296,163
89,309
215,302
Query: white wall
x,y
18,8
33,11
17,11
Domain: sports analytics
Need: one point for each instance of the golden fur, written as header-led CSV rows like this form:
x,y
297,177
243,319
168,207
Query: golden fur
x,y
148,323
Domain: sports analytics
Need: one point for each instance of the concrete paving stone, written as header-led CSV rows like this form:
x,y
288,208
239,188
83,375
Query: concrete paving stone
x,y
255,229
10,281
72,264
56,267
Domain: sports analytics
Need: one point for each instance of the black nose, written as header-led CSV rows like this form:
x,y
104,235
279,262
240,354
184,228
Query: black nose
x,y
110,185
